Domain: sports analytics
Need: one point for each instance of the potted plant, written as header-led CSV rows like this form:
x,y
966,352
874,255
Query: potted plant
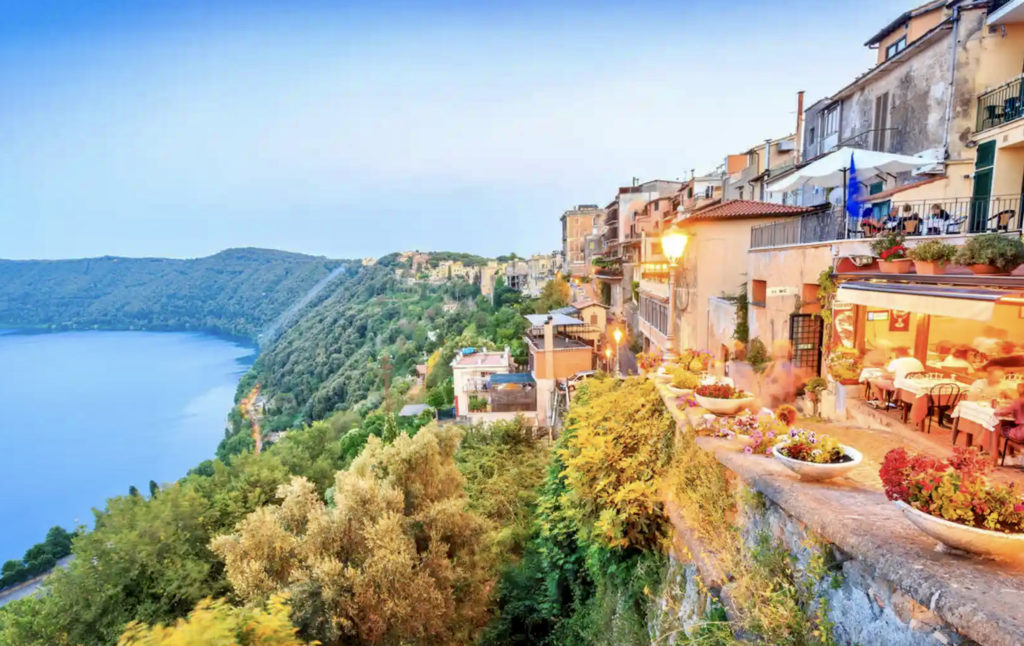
x,y
991,253
815,457
932,257
722,399
955,503
845,368
683,381
813,389
891,253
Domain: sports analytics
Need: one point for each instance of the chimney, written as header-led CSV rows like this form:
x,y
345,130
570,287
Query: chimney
x,y
549,348
799,143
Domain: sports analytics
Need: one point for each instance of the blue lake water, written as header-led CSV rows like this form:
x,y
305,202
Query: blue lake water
x,y
83,415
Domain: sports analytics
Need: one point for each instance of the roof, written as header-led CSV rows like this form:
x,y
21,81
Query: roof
x,y
567,311
421,369
481,359
586,302
511,378
738,209
882,195
412,410
539,320
902,18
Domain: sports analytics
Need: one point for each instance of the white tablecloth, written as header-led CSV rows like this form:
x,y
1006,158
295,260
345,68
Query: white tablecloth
x,y
870,373
978,412
921,387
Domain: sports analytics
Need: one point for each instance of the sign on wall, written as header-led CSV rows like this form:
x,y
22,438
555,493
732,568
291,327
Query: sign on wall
x,y
878,315
781,291
899,321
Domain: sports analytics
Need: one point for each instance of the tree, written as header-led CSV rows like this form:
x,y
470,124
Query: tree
x,y
154,488
553,295
214,622
398,559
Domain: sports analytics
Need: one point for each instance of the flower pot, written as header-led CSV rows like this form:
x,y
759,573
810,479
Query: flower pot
x,y
813,471
678,391
930,268
901,266
962,537
723,406
986,270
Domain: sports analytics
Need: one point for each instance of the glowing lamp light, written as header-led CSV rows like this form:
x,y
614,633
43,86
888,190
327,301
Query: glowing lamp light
x,y
607,353
673,242
618,336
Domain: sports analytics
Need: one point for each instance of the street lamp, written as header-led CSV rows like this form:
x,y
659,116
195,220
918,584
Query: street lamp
x,y
608,358
673,244
617,335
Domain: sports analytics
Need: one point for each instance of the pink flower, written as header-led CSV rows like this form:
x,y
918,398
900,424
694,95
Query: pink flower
x,y
748,450
1019,507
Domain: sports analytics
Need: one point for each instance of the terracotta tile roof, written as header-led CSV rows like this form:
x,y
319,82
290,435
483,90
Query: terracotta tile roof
x,y
744,209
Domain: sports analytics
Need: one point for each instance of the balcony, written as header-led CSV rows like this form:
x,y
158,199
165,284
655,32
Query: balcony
x,y
964,216
1001,105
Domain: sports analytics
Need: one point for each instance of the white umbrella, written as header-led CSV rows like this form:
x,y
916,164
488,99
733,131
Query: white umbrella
x,y
831,169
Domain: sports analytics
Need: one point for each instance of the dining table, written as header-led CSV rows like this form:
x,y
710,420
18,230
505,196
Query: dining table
x,y
914,392
978,418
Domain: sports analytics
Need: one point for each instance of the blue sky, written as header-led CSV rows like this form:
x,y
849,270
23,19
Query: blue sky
x,y
182,128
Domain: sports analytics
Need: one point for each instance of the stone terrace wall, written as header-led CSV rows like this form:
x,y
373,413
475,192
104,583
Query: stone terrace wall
x,y
877,578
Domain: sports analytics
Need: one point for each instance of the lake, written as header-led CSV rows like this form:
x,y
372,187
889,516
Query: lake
x,y
84,415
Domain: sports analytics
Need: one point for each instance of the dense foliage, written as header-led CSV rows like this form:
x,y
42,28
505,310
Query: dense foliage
x,y
238,291
331,359
39,558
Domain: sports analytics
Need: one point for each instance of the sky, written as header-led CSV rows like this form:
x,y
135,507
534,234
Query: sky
x,y
148,128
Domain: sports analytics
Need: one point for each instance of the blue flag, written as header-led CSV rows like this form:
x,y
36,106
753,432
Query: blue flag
x,y
853,203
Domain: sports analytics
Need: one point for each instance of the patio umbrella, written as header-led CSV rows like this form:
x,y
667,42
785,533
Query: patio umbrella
x,y
831,170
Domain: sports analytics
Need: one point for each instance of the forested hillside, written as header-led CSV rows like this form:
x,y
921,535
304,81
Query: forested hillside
x,y
331,358
237,291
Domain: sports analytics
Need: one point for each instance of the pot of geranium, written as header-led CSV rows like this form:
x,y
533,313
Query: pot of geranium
x,y
931,257
722,399
816,457
891,253
955,503
991,253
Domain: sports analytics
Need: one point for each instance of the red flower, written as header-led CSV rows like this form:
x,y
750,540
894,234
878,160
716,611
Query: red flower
x,y
1019,508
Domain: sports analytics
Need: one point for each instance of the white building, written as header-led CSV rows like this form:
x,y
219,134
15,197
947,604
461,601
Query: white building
x,y
470,371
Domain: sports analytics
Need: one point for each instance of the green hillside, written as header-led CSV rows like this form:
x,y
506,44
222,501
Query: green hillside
x,y
237,291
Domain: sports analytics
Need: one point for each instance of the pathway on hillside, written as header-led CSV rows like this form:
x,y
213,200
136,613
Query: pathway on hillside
x,y
285,318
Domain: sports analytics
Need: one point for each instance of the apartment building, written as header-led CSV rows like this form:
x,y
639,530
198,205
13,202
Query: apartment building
x,y
577,226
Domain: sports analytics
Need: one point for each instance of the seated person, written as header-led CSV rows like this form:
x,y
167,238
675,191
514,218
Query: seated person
x,y
902,364
869,224
937,220
893,220
1014,429
1009,356
911,224
991,387
957,360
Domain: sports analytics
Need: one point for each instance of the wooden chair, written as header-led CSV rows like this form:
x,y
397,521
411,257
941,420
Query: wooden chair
x,y
942,399
911,225
1006,442
1001,221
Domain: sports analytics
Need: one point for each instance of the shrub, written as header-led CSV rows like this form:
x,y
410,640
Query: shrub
x,y
682,378
889,246
1002,252
807,446
933,251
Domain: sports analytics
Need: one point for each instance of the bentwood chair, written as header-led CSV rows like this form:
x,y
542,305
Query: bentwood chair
x,y
1001,221
942,399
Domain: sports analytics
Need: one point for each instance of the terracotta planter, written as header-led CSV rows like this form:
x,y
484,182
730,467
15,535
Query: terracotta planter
x,y
962,537
901,266
929,268
986,270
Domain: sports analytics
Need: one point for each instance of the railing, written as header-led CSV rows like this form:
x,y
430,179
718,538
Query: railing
x,y
952,216
998,106
513,400
883,140
814,227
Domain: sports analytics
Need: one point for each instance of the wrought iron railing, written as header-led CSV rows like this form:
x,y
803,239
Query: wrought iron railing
x,y
814,227
952,216
998,106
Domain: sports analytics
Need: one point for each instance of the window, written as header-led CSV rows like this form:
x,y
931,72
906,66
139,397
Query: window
x,y
593,319
758,293
657,205
831,121
810,136
655,313
895,48
881,122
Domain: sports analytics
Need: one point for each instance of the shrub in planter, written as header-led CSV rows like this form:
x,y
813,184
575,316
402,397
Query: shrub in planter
x,y
956,489
683,379
891,253
807,446
932,257
991,253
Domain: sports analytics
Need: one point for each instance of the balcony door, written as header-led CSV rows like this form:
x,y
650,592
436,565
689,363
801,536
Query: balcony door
x,y
981,196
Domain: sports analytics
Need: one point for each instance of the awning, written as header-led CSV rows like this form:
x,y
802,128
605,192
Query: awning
x,y
511,378
939,300
831,169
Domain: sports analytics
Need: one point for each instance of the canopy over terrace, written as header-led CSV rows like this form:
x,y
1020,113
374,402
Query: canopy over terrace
x,y
831,170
